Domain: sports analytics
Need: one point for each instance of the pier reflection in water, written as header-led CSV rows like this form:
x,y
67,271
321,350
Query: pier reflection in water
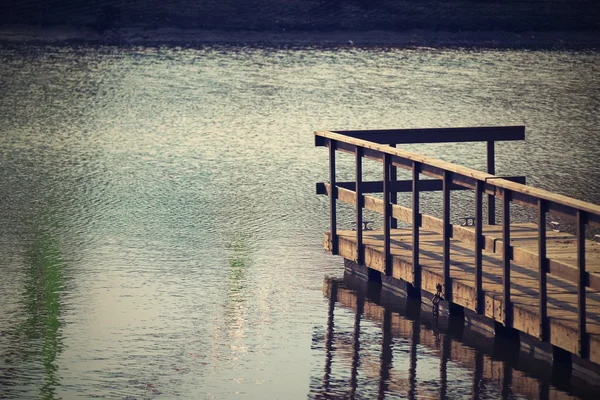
x,y
380,345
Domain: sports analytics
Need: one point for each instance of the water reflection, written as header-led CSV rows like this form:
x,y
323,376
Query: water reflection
x,y
395,349
42,294
235,316
36,342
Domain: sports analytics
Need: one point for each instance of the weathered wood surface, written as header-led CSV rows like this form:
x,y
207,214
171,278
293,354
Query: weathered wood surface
x,y
562,293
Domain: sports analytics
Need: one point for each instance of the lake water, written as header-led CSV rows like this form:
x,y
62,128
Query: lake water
x,y
160,233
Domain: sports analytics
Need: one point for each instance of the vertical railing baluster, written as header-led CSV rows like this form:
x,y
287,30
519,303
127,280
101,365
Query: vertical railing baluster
x,y
387,214
359,207
394,194
506,256
447,234
581,283
542,270
416,222
479,299
491,169
332,198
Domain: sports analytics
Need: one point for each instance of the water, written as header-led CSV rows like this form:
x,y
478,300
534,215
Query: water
x,y
160,233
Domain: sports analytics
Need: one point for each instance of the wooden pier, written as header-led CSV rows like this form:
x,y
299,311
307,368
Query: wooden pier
x,y
543,284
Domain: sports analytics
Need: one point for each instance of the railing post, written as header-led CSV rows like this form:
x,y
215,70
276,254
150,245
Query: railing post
x,y
479,299
416,222
394,194
542,270
506,256
581,282
387,214
491,169
359,206
447,234
332,198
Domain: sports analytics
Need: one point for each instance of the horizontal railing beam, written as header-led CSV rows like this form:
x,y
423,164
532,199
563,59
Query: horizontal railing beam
x,y
429,185
439,135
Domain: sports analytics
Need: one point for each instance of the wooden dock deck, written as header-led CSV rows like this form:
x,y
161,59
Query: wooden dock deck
x,y
543,283
562,294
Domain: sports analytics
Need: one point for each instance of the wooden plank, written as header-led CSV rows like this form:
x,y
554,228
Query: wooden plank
x,y
439,135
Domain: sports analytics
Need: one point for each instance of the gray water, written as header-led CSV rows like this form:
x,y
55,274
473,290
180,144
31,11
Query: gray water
x,y
160,236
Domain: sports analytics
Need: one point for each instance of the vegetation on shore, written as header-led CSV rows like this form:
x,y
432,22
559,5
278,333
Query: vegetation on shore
x,y
309,15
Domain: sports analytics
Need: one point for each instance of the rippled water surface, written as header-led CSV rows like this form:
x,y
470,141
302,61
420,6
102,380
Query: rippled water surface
x,y
160,233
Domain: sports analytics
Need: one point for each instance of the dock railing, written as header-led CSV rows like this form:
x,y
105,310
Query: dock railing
x,y
380,145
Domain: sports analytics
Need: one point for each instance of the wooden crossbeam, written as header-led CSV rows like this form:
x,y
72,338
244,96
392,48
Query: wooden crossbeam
x,y
439,135
405,186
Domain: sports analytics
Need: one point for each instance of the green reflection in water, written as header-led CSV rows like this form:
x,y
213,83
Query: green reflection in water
x,y
238,258
42,303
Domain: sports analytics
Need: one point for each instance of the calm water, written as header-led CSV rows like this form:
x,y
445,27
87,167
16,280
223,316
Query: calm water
x,y
160,233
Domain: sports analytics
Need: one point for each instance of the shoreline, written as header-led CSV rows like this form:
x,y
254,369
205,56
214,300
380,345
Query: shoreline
x,y
132,36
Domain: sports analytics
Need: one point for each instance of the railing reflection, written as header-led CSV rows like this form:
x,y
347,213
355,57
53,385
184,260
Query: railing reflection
x,y
407,342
